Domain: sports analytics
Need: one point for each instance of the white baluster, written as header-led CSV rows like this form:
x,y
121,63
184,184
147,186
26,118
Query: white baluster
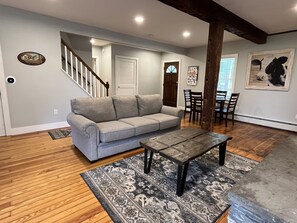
x,y
71,62
91,84
81,75
76,69
66,59
86,74
95,87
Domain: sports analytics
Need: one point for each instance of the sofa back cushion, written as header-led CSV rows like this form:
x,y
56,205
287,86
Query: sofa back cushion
x,y
96,109
149,104
125,106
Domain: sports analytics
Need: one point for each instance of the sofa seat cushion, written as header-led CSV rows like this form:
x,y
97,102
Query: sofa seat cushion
x,y
114,130
142,125
165,121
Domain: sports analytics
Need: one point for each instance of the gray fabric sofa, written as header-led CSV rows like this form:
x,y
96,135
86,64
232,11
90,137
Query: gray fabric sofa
x,y
106,126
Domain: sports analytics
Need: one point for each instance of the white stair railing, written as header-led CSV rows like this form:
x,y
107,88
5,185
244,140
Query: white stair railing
x,y
81,73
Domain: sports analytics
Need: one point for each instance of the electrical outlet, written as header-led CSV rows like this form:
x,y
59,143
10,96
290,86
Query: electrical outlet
x,y
56,111
296,116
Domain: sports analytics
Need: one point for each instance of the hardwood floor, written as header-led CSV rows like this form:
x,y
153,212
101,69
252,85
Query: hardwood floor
x,y
40,177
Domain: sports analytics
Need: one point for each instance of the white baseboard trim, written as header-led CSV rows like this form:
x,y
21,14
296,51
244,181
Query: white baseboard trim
x,y
290,126
36,128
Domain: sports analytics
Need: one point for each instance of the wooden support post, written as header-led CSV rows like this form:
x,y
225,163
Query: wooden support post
x,y
214,51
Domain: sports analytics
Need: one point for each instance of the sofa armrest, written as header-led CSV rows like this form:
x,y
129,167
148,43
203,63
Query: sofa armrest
x,y
81,123
172,111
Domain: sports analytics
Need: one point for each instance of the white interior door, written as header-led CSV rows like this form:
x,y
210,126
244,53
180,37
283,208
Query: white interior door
x,y
2,91
126,75
2,124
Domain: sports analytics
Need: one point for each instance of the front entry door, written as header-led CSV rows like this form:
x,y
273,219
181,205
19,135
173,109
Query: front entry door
x,y
170,83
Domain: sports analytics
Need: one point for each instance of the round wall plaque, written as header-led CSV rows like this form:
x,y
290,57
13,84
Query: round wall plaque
x,y
31,58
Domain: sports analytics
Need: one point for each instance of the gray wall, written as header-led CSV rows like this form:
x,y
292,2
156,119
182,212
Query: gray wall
x,y
41,89
149,67
97,53
38,89
106,68
278,106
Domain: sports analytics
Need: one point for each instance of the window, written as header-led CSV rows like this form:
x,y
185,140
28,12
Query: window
x,y
227,73
171,69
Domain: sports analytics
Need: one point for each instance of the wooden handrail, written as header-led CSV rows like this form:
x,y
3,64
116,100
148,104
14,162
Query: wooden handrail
x,y
106,85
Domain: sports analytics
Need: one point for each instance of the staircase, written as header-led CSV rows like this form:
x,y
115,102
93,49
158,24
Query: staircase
x,y
81,73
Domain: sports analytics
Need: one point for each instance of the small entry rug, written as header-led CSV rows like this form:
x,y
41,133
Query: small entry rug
x,y
129,195
60,133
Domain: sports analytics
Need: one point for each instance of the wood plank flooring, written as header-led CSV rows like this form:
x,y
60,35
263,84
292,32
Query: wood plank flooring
x,y
40,177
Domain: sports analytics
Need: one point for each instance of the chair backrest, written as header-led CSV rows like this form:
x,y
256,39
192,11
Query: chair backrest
x,y
232,102
187,95
198,97
222,94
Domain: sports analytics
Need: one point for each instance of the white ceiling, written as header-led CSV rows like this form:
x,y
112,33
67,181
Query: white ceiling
x,y
162,23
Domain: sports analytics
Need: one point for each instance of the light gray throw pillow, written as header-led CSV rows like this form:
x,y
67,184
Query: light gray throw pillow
x,y
125,106
149,104
96,109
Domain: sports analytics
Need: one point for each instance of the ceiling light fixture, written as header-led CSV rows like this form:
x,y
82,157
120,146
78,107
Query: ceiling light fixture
x,y
92,41
186,34
139,19
295,8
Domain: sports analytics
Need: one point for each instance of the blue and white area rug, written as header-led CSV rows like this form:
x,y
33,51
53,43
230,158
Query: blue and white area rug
x,y
130,195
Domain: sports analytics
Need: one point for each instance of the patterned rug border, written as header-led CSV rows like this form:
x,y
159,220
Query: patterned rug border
x,y
101,199
110,211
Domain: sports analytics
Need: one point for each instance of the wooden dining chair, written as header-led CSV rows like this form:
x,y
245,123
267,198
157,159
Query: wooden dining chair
x,y
196,106
187,96
230,109
220,94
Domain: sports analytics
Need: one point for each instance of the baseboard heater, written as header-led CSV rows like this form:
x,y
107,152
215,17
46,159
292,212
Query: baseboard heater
x,y
265,119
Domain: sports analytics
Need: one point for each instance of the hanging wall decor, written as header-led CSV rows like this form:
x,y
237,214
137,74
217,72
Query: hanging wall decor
x,y
31,58
192,76
270,70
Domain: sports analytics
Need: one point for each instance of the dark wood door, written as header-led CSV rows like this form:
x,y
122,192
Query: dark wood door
x,y
170,83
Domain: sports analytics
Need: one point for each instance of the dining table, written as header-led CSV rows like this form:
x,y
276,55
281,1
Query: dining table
x,y
219,100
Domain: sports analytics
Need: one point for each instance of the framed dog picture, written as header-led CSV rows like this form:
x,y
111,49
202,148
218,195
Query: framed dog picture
x,y
270,70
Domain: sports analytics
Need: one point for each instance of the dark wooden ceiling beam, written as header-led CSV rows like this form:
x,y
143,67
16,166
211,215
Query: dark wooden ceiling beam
x,y
209,11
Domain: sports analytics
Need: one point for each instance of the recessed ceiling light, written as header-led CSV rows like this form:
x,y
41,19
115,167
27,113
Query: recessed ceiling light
x,y
139,19
92,41
295,8
186,34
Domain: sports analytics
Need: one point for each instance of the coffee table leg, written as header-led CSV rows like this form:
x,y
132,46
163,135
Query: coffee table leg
x,y
222,149
147,165
181,178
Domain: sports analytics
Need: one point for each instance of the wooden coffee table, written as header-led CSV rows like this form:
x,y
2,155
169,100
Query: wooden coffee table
x,y
182,146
